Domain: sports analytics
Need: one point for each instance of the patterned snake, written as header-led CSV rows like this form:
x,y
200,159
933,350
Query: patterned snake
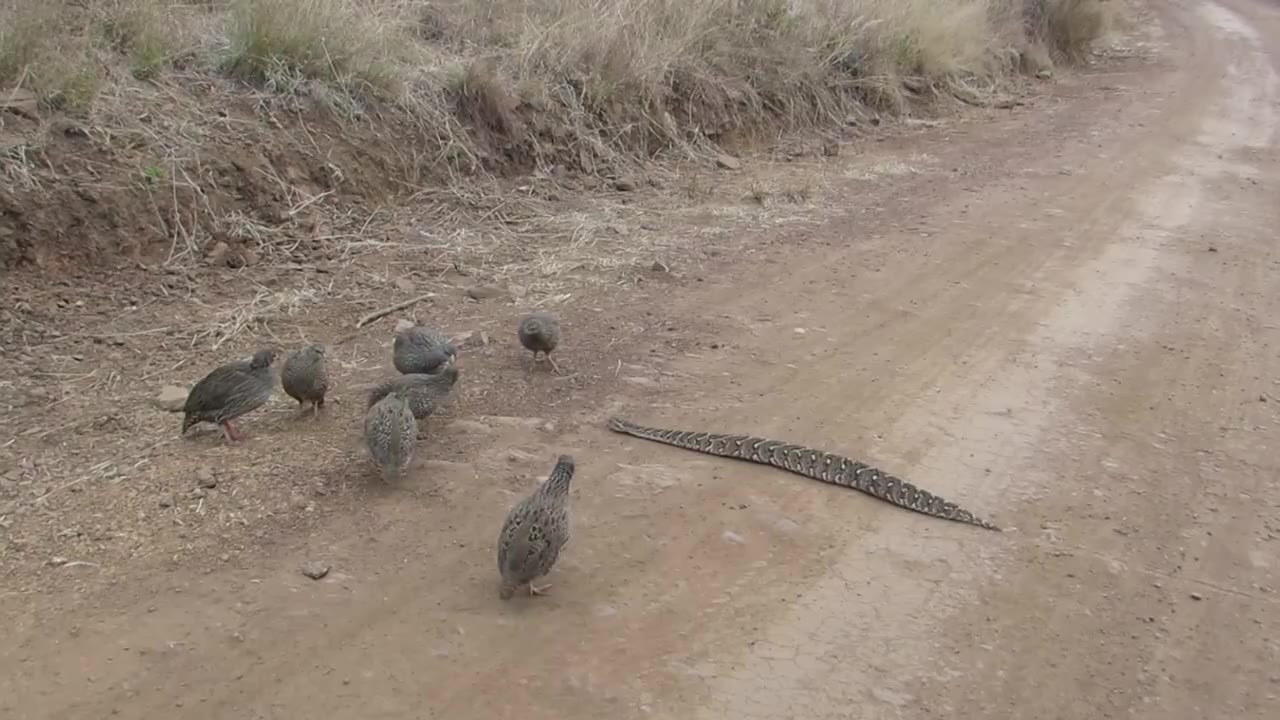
x,y
823,466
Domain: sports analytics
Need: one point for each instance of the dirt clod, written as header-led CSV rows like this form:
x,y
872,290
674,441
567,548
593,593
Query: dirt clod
x,y
728,162
486,292
217,254
206,479
171,398
315,569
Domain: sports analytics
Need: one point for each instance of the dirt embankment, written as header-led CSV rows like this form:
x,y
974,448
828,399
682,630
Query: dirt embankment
x,y
137,131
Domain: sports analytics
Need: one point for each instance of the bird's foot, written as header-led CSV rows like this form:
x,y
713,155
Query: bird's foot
x,y
230,434
535,590
554,367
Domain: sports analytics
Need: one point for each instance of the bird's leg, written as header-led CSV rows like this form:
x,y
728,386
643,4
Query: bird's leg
x,y
315,409
554,368
535,590
229,432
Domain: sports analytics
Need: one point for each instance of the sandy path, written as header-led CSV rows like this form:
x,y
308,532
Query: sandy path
x,y
1073,338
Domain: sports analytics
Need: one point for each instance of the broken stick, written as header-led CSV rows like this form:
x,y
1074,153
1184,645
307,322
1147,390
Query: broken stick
x,y
378,314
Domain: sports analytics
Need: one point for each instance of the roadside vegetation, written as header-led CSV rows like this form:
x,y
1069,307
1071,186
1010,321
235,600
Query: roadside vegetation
x,y
443,89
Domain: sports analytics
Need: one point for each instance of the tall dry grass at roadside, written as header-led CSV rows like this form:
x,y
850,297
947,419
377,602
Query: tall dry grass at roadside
x,y
612,78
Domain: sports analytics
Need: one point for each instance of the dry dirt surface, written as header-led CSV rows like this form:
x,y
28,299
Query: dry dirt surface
x,y
1061,315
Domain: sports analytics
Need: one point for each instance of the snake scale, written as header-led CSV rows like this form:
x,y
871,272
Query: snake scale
x,y
816,464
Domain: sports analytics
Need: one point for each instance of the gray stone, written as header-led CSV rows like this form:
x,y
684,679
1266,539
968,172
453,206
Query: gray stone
x,y
315,569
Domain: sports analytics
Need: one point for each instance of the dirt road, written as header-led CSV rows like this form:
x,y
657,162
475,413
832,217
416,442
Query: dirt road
x,y
1062,318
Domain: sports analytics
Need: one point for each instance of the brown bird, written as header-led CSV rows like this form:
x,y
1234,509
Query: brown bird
x,y
230,391
535,531
390,433
305,377
539,332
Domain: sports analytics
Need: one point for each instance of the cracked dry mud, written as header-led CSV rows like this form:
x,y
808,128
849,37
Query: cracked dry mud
x,y
1064,319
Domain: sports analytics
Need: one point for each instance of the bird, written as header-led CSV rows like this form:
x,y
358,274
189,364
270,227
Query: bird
x,y
536,529
424,392
539,332
305,377
421,350
230,391
390,434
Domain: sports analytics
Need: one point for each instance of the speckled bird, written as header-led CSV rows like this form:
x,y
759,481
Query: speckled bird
x,y
390,434
535,531
230,391
305,377
539,332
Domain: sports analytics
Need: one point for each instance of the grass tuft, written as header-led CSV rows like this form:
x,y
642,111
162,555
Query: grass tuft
x,y
1067,27
341,41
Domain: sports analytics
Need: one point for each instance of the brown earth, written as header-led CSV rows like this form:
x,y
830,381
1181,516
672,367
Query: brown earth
x,y
1060,315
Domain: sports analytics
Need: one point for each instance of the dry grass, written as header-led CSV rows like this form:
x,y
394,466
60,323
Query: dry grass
x,y
1067,27
617,77
436,93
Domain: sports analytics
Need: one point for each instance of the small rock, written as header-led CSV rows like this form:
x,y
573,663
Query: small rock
x,y
1197,596
520,456
624,185
57,561
166,501
315,569
733,537
830,149
171,398
470,339
250,258
217,254
641,381
402,324
485,292
404,285
1213,249
728,162
659,267
1045,74
205,478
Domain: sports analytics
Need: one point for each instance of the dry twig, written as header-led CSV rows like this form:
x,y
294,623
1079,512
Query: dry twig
x,y
379,314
